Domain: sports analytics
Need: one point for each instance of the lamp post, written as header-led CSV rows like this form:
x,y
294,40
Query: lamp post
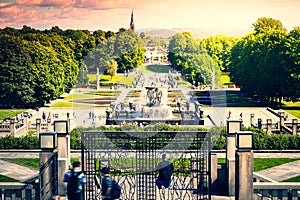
x,y
48,140
38,126
12,127
269,126
48,146
244,165
295,126
232,127
49,124
61,127
251,119
25,117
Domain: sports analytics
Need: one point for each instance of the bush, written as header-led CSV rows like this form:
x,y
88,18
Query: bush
x,y
25,142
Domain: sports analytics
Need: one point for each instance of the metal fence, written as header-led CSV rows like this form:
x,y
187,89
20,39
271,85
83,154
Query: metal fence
x,y
133,158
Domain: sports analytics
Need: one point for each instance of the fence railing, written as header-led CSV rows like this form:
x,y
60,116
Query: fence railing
x,y
16,191
267,190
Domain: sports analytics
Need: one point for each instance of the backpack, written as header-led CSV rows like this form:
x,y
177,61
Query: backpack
x,y
73,183
165,173
115,190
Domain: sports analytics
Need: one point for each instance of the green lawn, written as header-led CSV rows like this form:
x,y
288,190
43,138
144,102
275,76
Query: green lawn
x,y
294,179
155,68
69,105
4,113
29,162
296,113
265,163
123,80
7,179
78,96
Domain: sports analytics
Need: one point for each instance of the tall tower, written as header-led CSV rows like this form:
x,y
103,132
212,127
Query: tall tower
x,y
131,22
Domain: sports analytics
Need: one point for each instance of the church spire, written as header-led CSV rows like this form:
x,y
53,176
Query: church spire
x,y
131,22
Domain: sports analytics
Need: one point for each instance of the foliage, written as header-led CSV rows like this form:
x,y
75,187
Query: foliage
x,y
188,56
219,48
125,47
265,23
268,58
25,142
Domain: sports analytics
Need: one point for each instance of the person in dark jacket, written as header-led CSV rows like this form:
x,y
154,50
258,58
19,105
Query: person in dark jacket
x,y
106,184
164,171
75,175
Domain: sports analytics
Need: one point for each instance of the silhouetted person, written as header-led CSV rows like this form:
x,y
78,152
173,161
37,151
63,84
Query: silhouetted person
x,y
164,170
75,180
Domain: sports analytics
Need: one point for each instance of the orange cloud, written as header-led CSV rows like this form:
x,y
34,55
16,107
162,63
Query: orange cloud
x,y
15,17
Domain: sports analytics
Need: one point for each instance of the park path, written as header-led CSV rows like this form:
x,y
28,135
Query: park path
x,y
16,171
282,172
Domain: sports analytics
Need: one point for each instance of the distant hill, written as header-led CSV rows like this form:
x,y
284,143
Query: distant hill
x,y
196,32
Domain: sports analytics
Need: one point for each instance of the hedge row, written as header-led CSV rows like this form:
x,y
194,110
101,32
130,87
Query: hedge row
x,y
262,141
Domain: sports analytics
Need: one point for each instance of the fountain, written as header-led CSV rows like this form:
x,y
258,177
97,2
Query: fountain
x,y
151,106
156,107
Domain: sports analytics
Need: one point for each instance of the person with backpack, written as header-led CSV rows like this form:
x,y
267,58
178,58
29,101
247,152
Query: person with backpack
x,y
164,171
110,189
75,180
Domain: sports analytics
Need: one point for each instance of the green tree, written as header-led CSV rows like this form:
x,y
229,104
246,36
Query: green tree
x,y
261,65
271,23
187,55
112,68
128,50
219,48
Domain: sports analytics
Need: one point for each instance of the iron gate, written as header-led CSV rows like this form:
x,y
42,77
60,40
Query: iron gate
x,y
133,157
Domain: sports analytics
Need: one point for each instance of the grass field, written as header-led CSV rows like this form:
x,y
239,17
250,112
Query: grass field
x,y
294,179
4,113
69,105
123,80
265,163
155,68
7,179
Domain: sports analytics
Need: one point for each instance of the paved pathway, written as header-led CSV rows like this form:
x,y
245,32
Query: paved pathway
x,y
16,171
282,172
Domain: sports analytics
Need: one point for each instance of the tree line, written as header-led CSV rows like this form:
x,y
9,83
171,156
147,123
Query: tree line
x,y
38,66
201,61
265,63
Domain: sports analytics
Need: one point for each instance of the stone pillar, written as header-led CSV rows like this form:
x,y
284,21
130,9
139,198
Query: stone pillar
x,y
269,126
12,127
49,128
295,126
98,79
63,148
44,156
244,175
25,117
230,161
214,168
38,127
251,118
281,120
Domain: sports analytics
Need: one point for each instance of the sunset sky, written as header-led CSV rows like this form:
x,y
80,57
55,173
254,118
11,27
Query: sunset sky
x,y
115,14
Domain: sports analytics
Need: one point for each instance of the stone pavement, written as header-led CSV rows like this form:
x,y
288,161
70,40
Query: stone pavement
x,y
282,172
16,171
